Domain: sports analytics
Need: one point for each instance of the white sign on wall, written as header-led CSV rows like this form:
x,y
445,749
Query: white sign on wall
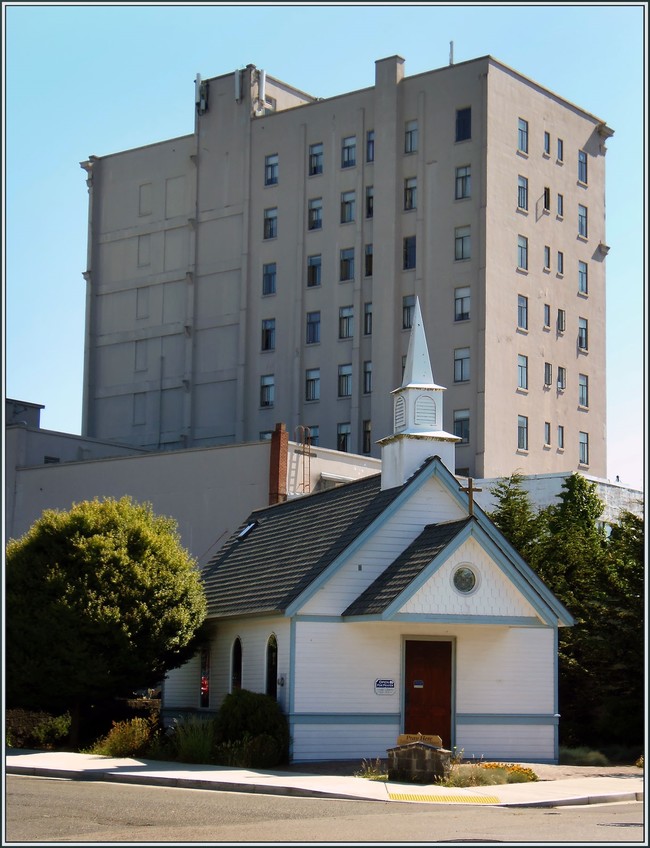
x,y
384,686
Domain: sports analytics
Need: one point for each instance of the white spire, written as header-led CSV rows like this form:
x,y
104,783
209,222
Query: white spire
x,y
417,371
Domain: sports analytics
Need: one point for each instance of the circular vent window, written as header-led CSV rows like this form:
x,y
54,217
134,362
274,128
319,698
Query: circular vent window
x,y
464,579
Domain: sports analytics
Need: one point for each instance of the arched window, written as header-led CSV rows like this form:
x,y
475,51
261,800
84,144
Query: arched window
x,y
272,666
235,677
205,677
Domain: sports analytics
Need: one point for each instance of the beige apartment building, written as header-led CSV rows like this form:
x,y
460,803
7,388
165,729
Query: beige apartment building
x,y
265,267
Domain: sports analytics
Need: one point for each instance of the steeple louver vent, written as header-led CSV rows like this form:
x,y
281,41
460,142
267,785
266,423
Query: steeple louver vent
x,y
425,412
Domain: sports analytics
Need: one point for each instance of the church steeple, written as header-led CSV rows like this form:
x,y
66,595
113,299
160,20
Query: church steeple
x,y
417,416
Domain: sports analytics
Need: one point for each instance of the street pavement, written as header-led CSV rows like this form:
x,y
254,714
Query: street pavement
x,y
626,785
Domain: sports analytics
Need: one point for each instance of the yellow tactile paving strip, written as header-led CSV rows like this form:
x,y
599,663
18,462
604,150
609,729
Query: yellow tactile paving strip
x,y
444,799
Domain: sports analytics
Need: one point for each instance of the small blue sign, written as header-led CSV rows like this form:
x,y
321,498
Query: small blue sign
x,y
384,686
418,684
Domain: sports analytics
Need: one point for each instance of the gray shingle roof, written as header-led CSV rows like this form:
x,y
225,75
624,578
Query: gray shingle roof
x,y
408,565
289,546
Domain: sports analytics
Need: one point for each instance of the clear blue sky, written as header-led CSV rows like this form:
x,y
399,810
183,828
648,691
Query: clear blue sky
x,y
96,79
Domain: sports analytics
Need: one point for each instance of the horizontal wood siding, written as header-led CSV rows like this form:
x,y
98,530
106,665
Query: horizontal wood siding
x,y
507,742
505,670
182,686
313,742
429,504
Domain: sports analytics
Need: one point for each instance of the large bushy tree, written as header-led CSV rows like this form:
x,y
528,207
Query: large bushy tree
x,y
100,600
599,578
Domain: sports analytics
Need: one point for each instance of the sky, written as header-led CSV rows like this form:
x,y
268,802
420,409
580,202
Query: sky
x,y
82,79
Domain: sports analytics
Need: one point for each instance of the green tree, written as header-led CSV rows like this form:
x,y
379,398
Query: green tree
x,y
100,600
514,514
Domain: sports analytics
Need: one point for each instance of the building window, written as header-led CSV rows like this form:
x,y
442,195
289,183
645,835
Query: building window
x,y
349,152
583,390
411,137
583,281
408,253
560,206
462,243
370,146
522,253
548,374
522,193
461,303
370,201
343,436
522,371
547,433
463,124
408,311
140,354
345,380
561,377
346,322
582,221
547,315
312,384
522,136
547,199
461,425
236,666
367,436
269,271
268,334
315,213
367,377
547,143
583,443
582,167
410,193
347,264
560,436
560,150
315,159
547,258
583,335
367,319
204,690
560,262
463,182
561,320
522,312
368,260
461,365
314,267
267,390
522,432
272,667
270,223
314,434
313,328
347,207
271,169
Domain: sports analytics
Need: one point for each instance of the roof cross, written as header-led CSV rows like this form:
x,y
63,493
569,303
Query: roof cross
x,y
470,489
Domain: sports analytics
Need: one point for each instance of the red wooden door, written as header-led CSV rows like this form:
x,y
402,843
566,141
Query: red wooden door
x,y
427,703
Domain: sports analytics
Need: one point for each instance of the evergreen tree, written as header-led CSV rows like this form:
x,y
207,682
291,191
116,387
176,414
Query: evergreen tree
x,y
514,515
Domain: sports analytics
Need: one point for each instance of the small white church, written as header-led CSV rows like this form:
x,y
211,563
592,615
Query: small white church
x,y
385,606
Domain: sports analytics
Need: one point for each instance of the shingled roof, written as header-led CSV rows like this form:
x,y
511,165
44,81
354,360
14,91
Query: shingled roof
x,y
408,565
280,550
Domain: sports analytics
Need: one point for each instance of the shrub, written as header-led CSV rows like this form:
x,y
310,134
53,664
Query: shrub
x,y
372,770
35,729
582,757
193,740
125,739
257,723
488,774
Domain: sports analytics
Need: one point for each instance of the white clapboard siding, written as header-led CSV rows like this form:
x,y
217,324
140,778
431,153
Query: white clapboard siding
x,y
507,742
182,686
336,666
505,670
312,742
430,504
494,595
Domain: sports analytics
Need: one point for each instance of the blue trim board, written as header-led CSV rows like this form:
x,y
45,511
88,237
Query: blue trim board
x,y
505,718
345,718
506,621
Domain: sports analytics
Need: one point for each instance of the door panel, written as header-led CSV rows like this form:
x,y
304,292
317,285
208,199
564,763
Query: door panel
x,y
427,702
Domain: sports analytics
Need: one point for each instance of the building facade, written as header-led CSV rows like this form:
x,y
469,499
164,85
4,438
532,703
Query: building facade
x,y
265,268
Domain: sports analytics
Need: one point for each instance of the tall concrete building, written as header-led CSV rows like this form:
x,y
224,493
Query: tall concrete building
x,y
265,268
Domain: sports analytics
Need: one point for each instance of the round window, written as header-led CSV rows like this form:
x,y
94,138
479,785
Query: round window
x,y
464,579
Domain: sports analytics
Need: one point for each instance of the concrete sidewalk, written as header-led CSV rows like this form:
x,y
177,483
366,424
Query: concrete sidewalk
x,y
543,793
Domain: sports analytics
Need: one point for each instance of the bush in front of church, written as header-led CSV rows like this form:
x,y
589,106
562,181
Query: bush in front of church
x,y
251,731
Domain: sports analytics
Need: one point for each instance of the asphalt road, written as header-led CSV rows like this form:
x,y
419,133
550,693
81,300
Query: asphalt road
x,y
64,811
